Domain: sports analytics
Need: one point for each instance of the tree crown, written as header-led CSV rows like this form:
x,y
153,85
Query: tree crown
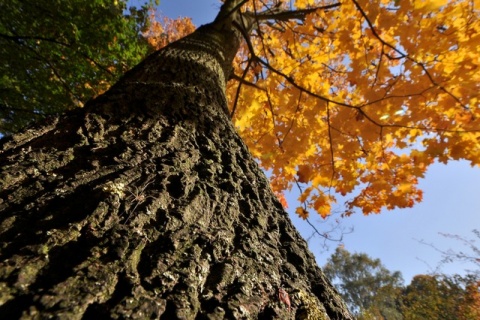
x,y
358,97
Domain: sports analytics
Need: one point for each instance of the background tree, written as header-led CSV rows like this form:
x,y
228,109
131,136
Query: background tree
x,y
368,288
469,252
58,54
470,306
440,297
432,297
374,292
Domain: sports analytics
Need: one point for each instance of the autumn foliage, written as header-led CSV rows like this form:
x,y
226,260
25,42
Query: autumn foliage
x,y
470,309
354,97
374,292
163,30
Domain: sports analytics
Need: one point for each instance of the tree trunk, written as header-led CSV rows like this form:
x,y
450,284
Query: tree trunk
x,y
146,204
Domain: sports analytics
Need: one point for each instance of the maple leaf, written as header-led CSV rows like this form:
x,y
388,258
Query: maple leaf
x,y
302,213
281,198
304,173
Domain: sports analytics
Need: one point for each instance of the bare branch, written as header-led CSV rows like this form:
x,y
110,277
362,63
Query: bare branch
x,y
240,82
245,82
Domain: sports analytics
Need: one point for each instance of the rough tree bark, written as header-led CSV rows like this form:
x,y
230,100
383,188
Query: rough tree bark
x,y
146,204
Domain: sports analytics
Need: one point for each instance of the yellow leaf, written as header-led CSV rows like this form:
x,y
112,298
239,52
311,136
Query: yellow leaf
x,y
322,206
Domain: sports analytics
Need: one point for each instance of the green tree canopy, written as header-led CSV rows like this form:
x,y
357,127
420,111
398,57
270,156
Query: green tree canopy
x,y
365,284
374,292
57,54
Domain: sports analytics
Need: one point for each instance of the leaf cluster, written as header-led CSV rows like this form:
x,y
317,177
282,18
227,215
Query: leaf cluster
x,y
358,97
163,30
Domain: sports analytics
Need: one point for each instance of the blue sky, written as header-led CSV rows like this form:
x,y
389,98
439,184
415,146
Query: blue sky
x,y
451,203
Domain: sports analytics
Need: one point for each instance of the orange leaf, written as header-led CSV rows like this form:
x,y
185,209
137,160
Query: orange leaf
x,y
304,173
302,213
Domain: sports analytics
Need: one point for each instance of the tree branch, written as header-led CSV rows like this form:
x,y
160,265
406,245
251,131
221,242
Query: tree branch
x,y
406,56
282,15
240,82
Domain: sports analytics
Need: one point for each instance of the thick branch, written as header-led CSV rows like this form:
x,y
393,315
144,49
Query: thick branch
x,y
282,15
